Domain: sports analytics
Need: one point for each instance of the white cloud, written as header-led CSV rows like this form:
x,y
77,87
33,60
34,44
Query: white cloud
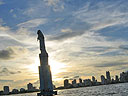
x,y
102,15
52,2
46,5
33,23
12,10
57,5
66,30
4,28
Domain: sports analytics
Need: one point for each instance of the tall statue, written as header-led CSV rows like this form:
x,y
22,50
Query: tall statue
x,y
41,39
45,76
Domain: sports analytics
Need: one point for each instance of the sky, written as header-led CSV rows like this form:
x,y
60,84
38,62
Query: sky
x,y
84,38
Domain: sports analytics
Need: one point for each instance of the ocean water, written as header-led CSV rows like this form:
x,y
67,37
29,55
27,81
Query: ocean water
x,y
103,90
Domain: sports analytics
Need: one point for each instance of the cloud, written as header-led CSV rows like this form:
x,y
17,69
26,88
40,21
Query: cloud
x,y
65,77
66,30
124,47
65,35
4,81
103,14
6,54
5,72
48,6
112,64
57,5
12,52
1,2
4,28
76,77
33,23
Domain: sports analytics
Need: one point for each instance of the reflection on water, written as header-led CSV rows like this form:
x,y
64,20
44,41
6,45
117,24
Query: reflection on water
x,y
104,90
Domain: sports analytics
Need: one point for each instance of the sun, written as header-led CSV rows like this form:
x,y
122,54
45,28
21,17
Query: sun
x,y
56,67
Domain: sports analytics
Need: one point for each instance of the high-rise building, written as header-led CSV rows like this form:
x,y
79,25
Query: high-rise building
x,y
22,90
108,77
80,80
103,80
15,91
87,82
93,79
116,79
30,87
66,83
124,77
74,81
6,90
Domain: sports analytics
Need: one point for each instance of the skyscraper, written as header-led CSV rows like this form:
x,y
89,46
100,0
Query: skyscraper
x,y
80,80
74,81
66,83
116,79
103,80
93,79
108,77
6,90
30,87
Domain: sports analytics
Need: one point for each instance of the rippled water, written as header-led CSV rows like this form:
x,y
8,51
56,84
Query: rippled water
x,y
104,90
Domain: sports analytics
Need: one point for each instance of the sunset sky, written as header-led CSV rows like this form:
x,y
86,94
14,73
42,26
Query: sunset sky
x,y
84,38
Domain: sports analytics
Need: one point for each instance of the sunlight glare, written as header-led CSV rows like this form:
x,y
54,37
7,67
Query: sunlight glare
x,y
57,67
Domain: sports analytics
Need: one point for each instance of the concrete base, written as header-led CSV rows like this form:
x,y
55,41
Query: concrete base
x,y
50,93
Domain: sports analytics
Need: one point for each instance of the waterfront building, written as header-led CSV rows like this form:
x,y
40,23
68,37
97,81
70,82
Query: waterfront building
x,y
108,77
87,82
93,79
66,83
74,82
112,81
116,79
124,77
80,80
22,90
6,90
15,91
103,80
30,87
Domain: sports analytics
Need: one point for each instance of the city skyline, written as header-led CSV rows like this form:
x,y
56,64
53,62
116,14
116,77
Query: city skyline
x,y
73,83
84,38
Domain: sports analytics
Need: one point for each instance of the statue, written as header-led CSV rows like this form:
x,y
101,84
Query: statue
x,y
45,76
41,39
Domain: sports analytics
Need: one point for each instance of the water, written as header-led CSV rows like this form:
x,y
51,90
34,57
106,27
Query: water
x,y
104,90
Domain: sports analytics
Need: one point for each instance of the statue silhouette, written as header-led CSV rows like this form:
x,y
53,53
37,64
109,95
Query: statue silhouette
x,y
41,39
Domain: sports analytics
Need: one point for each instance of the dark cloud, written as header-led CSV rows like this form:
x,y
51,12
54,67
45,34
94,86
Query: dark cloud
x,y
98,48
76,77
66,35
70,79
7,41
111,64
124,47
12,52
4,81
6,54
5,72
65,77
